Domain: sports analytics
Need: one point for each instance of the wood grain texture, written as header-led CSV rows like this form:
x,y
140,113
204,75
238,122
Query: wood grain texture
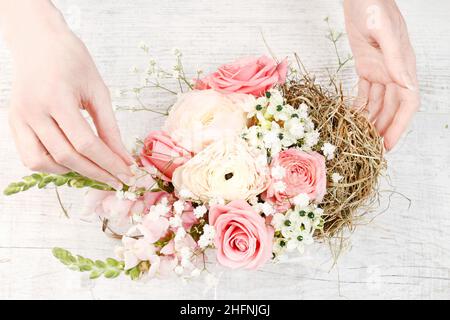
x,y
403,253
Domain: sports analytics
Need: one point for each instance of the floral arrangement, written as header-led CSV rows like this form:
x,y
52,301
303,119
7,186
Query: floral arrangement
x,y
248,165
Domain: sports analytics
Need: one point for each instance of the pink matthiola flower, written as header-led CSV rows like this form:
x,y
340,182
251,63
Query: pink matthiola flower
x,y
153,229
242,237
250,75
171,247
168,249
153,198
136,250
93,201
166,265
162,153
188,216
107,205
304,172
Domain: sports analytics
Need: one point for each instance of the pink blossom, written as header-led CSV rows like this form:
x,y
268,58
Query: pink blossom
x,y
136,250
242,237
305,172
153,229
250,75
107,205
161,152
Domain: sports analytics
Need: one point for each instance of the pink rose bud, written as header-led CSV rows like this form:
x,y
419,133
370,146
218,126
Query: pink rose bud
x,y
161,152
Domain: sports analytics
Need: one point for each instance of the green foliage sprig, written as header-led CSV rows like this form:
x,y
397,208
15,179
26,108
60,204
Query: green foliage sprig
x,y
110,268
41,180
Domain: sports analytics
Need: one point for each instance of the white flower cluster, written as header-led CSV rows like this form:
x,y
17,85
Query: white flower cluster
x,y
207,238
336,177
200,211
265,208
126,195
279,126
295,229
328,150
159,210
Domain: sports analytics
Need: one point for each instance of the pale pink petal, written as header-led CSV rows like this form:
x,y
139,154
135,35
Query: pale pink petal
x,y
153,230
169,248
166,265
130,260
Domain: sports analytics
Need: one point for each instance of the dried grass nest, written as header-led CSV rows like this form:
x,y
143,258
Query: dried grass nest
x,y
359,156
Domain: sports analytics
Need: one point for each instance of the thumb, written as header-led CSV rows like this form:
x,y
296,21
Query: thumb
x,y
100,109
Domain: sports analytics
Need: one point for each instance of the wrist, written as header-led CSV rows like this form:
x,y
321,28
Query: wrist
x,y
22,21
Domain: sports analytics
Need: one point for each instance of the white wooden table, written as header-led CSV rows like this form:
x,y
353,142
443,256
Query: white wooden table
x,y
403,253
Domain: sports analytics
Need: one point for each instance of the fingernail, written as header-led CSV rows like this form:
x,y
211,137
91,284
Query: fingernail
x,y
129,181
116,185
408,81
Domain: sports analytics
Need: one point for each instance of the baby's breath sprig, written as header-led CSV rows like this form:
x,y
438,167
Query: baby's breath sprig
x,y
154,76
41,180
110,268
334,37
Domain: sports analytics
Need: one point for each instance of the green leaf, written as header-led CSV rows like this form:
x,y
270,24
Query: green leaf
x,y
100,264
112,262
134,273
11,189
41,184
95,274
85,264
111,274
59,252
59,181
37,177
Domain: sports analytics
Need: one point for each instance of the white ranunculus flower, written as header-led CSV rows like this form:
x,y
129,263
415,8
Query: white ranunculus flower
x,y
200,117
226,169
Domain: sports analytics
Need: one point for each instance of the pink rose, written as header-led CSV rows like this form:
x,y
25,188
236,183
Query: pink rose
x,y
305,172
242,237
247,75
161,152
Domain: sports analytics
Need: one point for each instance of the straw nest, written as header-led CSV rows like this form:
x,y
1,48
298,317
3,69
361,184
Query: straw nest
x,y
359,154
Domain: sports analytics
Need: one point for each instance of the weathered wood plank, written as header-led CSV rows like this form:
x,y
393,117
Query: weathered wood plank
x,y
404,253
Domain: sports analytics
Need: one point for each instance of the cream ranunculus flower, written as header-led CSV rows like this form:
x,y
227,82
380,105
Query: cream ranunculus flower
x,y
226,169
200,117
